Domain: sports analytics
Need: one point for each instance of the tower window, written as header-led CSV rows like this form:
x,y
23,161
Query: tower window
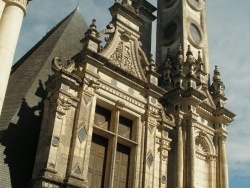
x,y
196,2
170,30
195,32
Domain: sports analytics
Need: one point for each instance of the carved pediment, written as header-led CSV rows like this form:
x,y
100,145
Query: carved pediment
x,y
123,50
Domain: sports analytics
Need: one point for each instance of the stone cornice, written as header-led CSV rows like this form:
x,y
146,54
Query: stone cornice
x,y
117,8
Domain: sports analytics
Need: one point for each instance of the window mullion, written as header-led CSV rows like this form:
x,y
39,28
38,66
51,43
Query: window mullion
x,y
111,158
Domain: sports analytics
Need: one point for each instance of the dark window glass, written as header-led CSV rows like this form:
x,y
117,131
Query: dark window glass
x,y
125,127
170,30
102,117
195,33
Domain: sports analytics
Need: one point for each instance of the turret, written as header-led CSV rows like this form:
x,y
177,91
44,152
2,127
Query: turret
x,y
217,89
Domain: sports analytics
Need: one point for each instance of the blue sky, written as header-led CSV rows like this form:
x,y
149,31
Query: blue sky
x,y
228,24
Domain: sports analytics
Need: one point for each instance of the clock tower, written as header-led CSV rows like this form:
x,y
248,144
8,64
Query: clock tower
x,y
182,22
197,157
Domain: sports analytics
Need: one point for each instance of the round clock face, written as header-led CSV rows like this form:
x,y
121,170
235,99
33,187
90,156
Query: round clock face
x,y
195,33
170,30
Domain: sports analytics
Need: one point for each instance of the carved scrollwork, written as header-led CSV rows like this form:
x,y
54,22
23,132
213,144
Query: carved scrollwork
x,y
201,145
110,28
64,103
154,114
58,65
151,66
61,103
122,57
91,84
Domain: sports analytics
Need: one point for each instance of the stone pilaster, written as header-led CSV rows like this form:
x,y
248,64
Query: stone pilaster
x,y
180,159
115,119
78,161
55,140
10,25
223,163
212,179
191,153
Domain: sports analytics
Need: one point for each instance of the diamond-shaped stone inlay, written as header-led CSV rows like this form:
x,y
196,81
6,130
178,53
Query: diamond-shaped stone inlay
x,y
77,170
87,99
55,142
164,179
150,159
64,87
114,82
151,128
131,90
82,134
165,133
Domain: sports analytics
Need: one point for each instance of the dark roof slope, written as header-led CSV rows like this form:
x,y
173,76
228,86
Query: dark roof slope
x,y
22,111
63,41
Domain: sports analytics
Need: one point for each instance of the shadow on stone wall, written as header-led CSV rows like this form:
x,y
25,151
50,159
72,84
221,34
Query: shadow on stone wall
x,y
20,140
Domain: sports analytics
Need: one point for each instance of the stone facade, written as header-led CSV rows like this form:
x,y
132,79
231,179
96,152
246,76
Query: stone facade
x,y
113,118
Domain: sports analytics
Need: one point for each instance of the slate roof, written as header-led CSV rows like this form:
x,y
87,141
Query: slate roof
x,y
22,111
63,41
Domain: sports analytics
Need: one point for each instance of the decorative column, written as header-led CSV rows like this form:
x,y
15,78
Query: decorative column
x,y
179,165
191,154
223,162
211,160
2,5
115,123
10,25
78,161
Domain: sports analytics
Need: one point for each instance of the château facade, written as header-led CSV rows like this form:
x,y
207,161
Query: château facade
x,y
86,115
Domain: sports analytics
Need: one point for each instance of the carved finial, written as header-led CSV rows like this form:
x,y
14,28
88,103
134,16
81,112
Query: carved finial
x,y
92,29
78,6
216,74
199,56
168,53
152,63
93,25
200,63
217,85
189,55
116,1
168,59
189,52
180,54
126,2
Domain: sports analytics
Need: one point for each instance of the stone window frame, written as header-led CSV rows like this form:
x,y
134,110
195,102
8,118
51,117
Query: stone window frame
x,y
168,41
196,7
195,44
114,139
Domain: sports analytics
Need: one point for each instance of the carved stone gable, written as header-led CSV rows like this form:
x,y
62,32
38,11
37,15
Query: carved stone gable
x,y
122,57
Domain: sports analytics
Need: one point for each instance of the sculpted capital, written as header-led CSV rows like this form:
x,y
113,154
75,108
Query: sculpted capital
x,y
20,3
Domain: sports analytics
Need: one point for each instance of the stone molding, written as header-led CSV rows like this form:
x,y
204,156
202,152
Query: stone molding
x,y
20,3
